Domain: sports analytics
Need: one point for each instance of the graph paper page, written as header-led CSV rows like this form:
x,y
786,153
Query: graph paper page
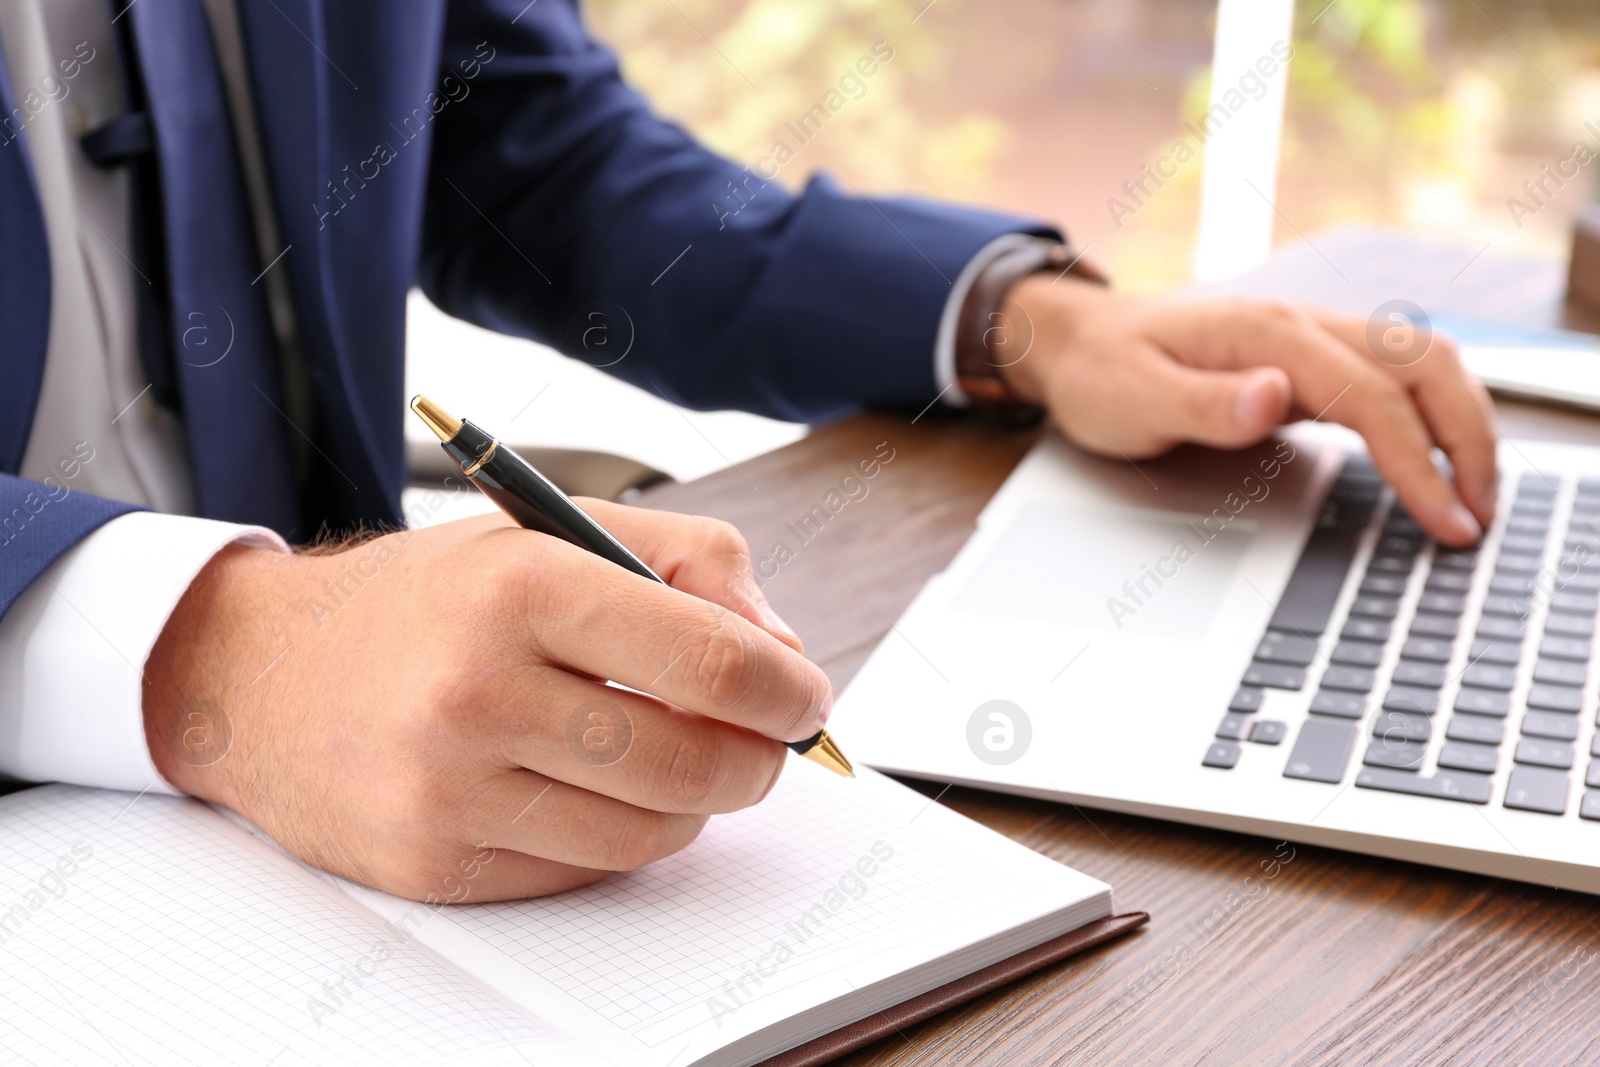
x,y
822,890
150,930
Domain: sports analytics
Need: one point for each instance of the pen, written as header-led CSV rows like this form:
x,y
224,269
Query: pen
x,y
536,504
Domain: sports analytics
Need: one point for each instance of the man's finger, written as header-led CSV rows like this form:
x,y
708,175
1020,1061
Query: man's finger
x,y
625,746
1219,408
1337,384
705,557
1455,406
537,816
596,618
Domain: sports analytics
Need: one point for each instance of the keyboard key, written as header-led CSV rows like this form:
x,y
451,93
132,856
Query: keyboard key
x,y
1392,752
1532,506
1550,724
1344,705
1466,756
1381,584
1222,754
1537,789
1446,582
1357,653
1464,559
1313,588
1555,698
1444,785
1518,542
1504,653
1560,672
1574,603
1427,675
1488,676
1350,679
1594,746
1436,625
1390,564
1375,607
1234,726
1514,586
1442,603
1531,524
1513,564
1581,582
1510,629
1427,649
1246,698
1365,630
1516,606
1275,675
1569,626
1399,544
1479,729
1293,649
1322,751
1483,701
1536,485
1555,646
1268,732
1402,726
1592,778
1590,808
1544,753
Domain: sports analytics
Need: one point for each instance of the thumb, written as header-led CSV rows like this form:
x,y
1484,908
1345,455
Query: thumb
x,y
1223,409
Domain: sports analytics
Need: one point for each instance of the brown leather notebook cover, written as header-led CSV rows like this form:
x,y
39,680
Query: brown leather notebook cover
x,y
874,1027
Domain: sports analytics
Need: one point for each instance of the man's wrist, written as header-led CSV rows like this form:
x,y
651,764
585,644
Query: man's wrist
x,y
194,676
995,334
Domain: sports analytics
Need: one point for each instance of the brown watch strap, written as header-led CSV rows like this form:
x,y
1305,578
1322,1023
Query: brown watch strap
x,y
982,335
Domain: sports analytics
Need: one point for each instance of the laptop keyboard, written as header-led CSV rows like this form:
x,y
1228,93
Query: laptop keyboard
x,y
1460,675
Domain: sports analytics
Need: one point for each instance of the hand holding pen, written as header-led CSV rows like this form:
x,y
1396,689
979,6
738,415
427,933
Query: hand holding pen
x,y
535,503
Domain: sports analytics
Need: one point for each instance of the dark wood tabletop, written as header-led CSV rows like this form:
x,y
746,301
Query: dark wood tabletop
x,y
1324,957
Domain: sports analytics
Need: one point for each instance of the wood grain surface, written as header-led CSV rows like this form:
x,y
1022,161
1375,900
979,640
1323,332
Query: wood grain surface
x,y
1258,952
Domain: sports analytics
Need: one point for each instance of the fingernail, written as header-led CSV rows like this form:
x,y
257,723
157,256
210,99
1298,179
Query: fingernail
x,y
1462,522
1250,402
825,712
771,619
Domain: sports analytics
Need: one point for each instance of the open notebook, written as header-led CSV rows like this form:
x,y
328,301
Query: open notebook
x,y
156,930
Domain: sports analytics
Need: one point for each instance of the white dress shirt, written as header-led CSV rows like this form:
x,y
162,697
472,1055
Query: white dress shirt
x,y
73,647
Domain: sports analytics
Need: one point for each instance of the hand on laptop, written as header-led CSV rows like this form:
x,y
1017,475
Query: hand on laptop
x,y
401,708
1133,377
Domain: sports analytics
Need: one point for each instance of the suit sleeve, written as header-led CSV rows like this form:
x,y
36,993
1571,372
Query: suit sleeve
x,y
559,204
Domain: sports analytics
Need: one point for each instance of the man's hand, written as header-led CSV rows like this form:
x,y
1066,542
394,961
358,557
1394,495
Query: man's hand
x,y
424,712
1132,377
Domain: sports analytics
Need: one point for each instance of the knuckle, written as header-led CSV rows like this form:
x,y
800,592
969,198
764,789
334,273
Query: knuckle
x,y
721,538
692,770
726,667
641,838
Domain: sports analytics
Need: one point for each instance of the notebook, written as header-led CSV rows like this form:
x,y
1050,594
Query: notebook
x,y
154,929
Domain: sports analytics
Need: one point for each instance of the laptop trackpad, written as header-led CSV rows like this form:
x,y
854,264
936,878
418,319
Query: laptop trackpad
x,y
1142,572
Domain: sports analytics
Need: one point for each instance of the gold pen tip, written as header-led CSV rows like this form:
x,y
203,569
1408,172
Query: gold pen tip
x,y
826,752
441,422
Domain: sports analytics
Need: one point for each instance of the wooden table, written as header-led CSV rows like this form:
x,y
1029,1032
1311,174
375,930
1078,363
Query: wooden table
x,y
1344,959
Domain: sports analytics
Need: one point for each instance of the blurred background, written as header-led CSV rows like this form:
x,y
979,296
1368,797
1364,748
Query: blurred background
x,y
1427,115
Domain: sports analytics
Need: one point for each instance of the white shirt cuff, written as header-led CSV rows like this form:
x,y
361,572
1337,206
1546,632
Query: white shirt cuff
x,y
74,645
944,345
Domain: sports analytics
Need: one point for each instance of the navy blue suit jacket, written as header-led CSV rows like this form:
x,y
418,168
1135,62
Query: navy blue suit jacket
x,y
489,151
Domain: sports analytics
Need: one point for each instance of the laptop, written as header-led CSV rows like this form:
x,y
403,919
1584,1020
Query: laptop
x,y
1264,641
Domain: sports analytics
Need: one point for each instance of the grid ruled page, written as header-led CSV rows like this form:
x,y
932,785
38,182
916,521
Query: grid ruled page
x,y
826,886
149,930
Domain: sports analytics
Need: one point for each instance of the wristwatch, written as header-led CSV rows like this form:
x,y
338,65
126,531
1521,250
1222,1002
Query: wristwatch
x,y
984,340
